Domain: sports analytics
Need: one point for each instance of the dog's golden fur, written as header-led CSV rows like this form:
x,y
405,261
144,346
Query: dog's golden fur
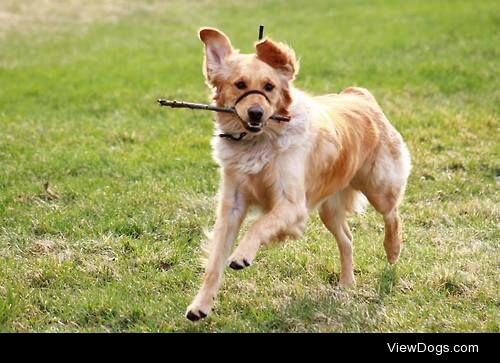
x,y
336,149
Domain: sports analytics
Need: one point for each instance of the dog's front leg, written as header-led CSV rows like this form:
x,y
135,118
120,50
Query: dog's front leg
x,y
287,217
231,211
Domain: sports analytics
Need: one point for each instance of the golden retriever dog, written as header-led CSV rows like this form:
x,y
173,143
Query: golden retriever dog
x,y
336,150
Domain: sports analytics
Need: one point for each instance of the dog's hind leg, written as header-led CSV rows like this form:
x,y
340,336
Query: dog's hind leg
x,y
386,203
333,215
392,239
385,190
230,214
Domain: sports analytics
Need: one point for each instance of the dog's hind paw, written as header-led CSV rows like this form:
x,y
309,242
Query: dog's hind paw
x,y
347,281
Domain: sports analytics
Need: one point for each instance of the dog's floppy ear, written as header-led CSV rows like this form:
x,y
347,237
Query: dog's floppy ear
x,y
217,48
279,56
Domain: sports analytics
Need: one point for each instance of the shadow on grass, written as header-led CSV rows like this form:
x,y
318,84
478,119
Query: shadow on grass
x,y
387,280
350,310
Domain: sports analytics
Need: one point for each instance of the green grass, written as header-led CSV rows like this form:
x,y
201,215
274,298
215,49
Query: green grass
x,y
119,249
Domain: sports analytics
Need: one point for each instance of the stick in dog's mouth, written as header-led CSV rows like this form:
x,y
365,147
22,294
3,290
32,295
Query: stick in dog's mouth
x,y
201,106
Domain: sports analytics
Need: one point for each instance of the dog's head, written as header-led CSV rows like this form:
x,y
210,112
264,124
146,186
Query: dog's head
x,y
256,85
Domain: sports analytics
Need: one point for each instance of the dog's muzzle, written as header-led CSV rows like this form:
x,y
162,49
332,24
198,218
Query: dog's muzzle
x,y
255,112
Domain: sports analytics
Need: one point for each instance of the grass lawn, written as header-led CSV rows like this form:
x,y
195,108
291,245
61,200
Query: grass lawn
x,y
114,244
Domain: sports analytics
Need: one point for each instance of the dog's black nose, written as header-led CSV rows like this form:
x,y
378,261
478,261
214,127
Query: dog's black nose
x,y
255,113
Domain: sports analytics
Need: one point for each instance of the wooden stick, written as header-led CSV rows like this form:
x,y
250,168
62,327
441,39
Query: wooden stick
x,y
201,106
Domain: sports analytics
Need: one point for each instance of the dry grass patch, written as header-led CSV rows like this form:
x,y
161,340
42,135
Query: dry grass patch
x,y
52,15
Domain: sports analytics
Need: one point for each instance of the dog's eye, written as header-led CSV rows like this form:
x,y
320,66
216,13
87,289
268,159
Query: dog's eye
x,y
240,85
269,87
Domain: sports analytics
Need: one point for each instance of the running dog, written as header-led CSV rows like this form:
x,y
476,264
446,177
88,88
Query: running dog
x,y
336,150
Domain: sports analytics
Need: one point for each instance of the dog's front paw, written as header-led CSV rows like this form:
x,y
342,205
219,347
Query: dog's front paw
x,y
243,256
239,260
198,309
192,315
239,264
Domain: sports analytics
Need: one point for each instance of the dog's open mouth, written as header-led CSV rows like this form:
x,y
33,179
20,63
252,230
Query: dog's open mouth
x,y
253,127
